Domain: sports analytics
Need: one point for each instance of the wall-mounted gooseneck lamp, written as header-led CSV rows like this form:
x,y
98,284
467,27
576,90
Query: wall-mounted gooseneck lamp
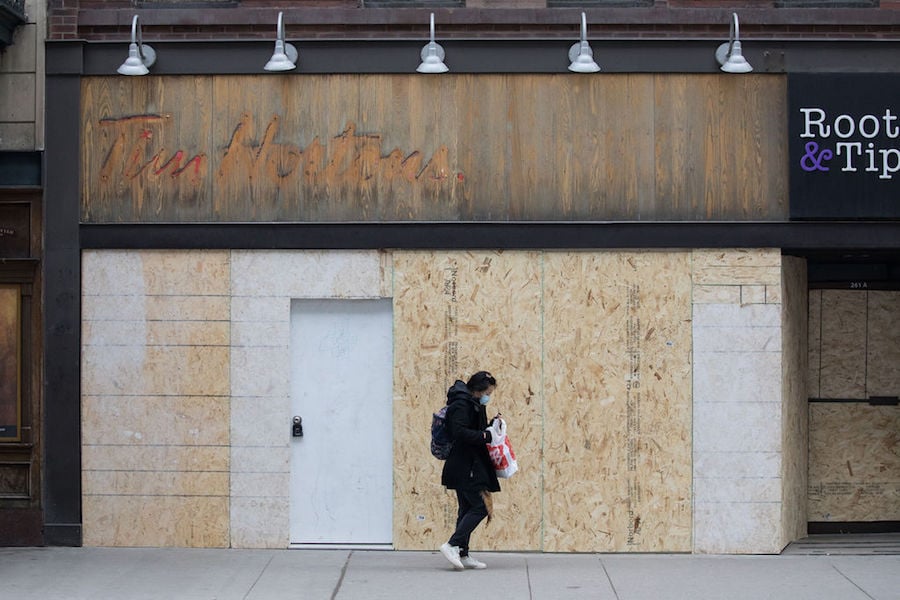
x,y
285,56
729,54
432,55
140,55
581,56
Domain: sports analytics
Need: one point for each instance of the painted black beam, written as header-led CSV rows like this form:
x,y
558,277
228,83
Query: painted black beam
x,y
793,237
513,56
62,321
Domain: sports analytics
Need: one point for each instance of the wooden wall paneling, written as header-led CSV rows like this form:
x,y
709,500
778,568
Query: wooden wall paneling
x,y
677,188
316,123
854,469
883,343
843,344
617,442
432,145
533,137
761,148
620,170
456,313
389,147
719,163
483,155
149,137
395,106
721,147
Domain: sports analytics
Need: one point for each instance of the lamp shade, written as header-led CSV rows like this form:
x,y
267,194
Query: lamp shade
x,y
432,56
140,55
581,56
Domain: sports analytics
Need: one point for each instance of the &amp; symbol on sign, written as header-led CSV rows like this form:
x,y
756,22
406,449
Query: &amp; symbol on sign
x,y
813,159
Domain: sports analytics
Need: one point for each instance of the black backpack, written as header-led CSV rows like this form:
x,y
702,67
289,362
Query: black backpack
x,y
441,442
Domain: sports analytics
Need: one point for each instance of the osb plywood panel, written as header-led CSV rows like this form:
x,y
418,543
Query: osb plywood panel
x,y
883,351
155,411
617,375
406,147
155,521
737,266
854,462
795,420
843,345
815,343
456,313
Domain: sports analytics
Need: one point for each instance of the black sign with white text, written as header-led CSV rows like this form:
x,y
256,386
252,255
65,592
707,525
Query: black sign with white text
x,y
844,135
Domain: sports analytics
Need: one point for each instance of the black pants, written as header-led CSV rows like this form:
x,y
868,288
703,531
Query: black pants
x,y
472,511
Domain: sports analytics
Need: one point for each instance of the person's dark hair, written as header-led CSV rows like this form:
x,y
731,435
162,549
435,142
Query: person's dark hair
x,y
481,381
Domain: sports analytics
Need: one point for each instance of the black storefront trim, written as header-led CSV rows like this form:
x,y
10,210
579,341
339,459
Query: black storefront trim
x,y
507,56
793,237
871,401
61,264
828,527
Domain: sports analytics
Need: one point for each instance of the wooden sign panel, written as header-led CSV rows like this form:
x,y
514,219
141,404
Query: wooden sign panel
x,y
456,147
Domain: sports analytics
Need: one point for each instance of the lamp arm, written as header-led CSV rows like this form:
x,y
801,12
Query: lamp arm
x,y
735,33
136,36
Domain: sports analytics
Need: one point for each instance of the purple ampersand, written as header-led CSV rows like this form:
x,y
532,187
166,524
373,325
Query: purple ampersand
x,y
812,160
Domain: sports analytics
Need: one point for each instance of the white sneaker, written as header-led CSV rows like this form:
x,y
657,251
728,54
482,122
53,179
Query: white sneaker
x,y
472,563
451,553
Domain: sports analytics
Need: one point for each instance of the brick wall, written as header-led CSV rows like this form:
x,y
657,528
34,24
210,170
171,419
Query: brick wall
x,y
308,19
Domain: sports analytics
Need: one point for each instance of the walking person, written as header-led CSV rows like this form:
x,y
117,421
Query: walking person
x,y
469,469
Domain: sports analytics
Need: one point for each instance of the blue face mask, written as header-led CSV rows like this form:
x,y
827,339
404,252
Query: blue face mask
x,y
485,399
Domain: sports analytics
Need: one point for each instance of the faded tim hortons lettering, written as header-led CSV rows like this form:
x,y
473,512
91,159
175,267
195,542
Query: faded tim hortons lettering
x,y
127,157
349,158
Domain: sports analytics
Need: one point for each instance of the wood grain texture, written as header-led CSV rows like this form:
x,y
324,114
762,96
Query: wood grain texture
x,y
409,148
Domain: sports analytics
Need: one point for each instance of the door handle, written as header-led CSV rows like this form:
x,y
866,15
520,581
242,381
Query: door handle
x,y
297,427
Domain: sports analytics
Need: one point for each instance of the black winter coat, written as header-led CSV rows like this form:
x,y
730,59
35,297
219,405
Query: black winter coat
x,y
469,465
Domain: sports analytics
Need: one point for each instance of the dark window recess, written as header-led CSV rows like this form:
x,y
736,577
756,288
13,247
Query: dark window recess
x,y
595,3
412,3
187,3
827,3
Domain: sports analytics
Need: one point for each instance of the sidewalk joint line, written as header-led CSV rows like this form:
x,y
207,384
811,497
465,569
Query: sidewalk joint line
x,y
340,581
258,577
853,582
609,579
528,580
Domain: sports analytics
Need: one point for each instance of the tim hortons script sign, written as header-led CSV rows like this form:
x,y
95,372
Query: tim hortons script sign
x,y
341,148
256,164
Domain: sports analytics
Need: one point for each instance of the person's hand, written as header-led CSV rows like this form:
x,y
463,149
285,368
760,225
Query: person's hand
x,y
498,425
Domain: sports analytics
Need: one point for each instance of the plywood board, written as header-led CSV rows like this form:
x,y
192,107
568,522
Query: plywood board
x,y
883,343
457,313
815,344
155,406
406,148
843,344
854,463
617,429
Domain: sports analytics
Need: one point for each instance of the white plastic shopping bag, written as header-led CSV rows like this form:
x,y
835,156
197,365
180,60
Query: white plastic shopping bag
x,y
501,451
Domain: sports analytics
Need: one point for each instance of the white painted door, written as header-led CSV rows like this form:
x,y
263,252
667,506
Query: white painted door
x,y
341,387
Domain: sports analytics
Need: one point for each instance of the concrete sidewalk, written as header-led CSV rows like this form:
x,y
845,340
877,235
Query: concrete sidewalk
x,y
186,574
